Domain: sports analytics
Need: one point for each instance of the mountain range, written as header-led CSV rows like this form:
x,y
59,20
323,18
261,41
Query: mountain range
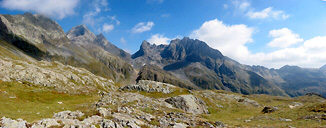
x,y
188,63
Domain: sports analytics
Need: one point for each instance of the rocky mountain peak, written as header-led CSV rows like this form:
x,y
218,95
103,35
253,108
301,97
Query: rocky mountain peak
x,y
82,34
191,48
289,68
147,49
145,44
80,30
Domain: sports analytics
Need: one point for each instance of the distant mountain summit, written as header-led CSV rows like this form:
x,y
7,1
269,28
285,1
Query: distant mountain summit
x,y
195,62
82,35
206,68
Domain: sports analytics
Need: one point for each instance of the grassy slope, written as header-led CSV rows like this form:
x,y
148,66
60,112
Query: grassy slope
x,y
235,113
33,103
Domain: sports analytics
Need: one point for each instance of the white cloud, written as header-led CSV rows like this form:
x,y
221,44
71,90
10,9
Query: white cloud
x,y
229,39
241,5
142,27
268,13
159,39
123,41
309,54
54,8
92,17
107,28
283,38
244,7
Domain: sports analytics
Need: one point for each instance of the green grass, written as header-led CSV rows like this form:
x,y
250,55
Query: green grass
x,y
32,103
234,114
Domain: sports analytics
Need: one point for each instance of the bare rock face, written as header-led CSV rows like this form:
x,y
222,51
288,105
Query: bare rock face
x,y
150,86
188,103
37,29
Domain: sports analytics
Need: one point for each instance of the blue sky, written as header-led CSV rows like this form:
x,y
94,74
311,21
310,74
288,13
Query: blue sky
x,y
271,33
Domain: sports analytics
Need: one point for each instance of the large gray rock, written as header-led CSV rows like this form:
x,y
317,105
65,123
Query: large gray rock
x,y
150,86
10,123
46,123
110,124
127,121
68,115
188,103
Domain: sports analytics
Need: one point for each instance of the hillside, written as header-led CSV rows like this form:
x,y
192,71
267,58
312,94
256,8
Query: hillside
x,y
43,39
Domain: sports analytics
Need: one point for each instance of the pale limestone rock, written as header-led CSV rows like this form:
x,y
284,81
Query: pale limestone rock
x,y
68,115
10,123
188,103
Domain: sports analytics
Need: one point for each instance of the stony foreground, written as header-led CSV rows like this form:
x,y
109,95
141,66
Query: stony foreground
x,y
182,108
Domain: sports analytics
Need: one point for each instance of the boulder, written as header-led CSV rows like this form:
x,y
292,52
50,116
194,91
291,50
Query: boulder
x,y
68,115
104,111
294,105
110,124
219,124
179,125
92,120
126,120
46,123
268,109
10,123
188,103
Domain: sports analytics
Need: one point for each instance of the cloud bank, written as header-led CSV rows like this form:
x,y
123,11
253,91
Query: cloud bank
x,y
54,8
231,40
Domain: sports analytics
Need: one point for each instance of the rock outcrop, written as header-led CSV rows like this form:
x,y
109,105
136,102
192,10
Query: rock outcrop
x,y
188,103
150,86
